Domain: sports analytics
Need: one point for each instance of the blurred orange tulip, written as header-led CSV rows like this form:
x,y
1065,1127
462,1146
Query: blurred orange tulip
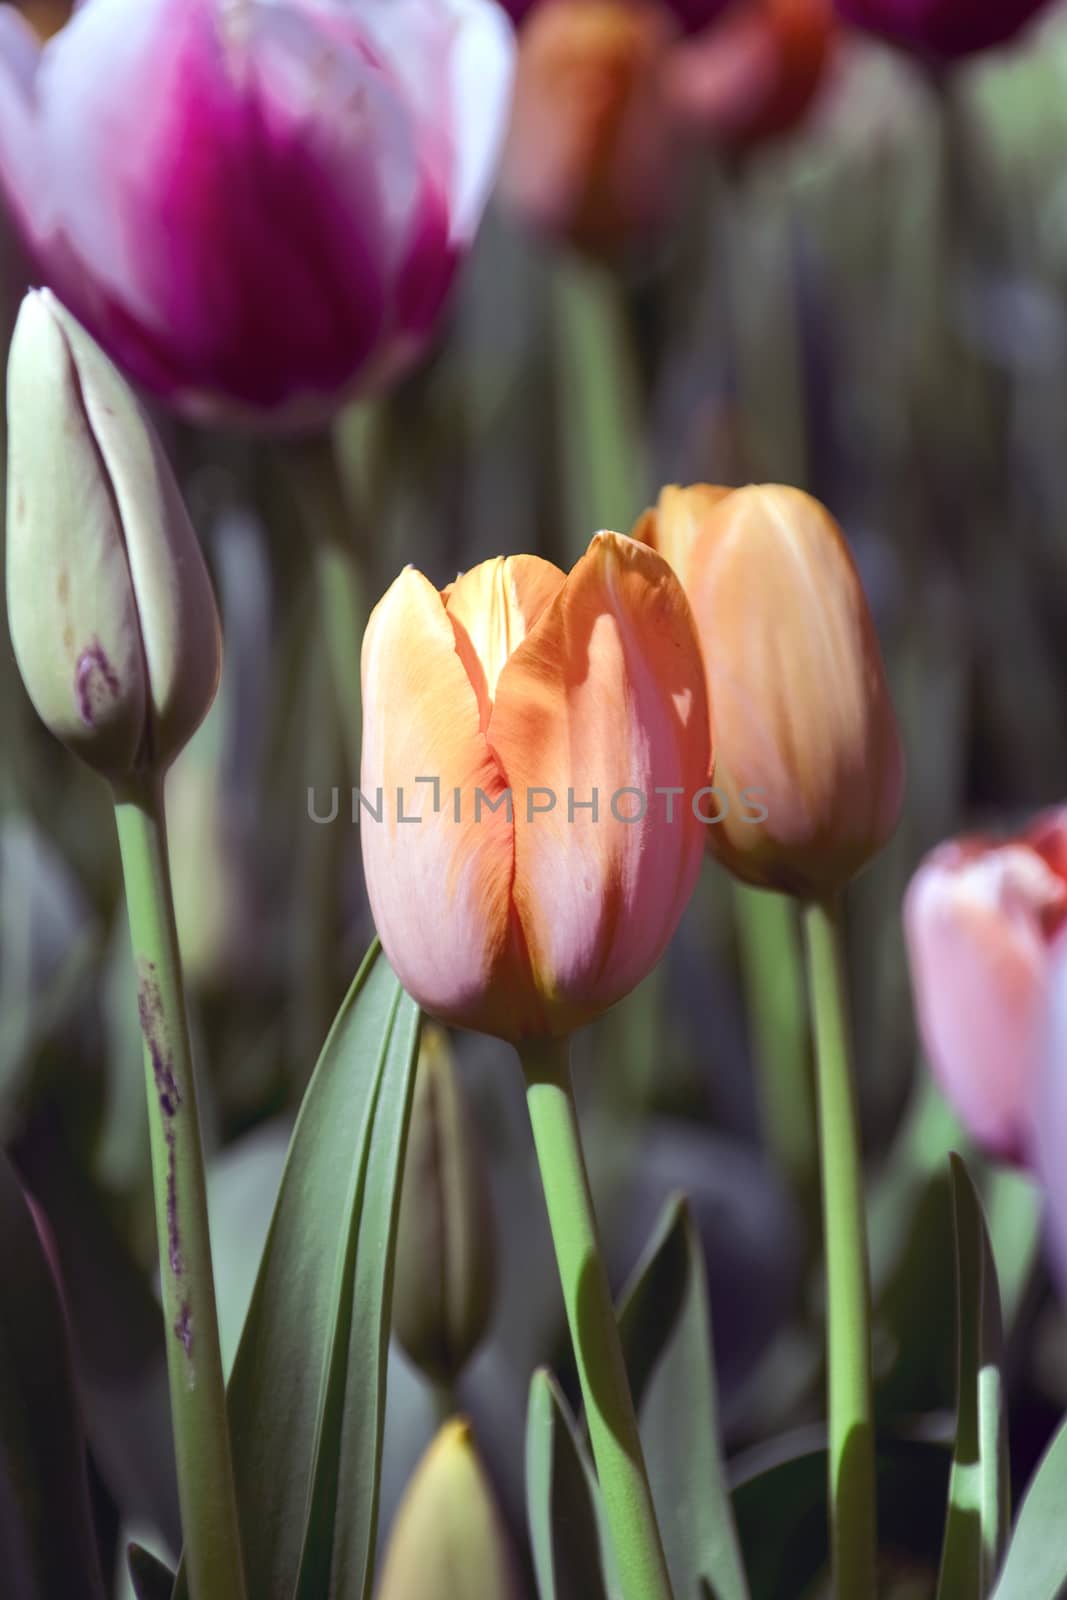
x,y
981,917
532,746
753,73
592,155
807,752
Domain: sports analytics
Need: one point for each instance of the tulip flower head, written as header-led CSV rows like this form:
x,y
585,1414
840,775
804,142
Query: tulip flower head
x,y
942,30
1051,1120
804,727
255,206
592,155
753,73
111,611
521,730
981,918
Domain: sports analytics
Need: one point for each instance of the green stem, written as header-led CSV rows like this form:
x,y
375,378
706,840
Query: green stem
x,y
197,1391
328,525
605,473
851,1455
772,975
594,1331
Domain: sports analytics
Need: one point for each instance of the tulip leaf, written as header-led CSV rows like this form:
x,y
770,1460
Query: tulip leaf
x,y
1035,1567
562,1500
47,1544
307,1395
152,1579
665,1323
978,1510
780,1504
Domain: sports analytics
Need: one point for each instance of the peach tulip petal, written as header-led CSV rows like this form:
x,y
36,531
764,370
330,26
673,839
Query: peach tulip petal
x,y
606,693
673,525
974,917
439,888
493,607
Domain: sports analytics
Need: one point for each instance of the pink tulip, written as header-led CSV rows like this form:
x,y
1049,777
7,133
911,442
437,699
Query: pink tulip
x,y
981,918
1051,1139
255,206
942,30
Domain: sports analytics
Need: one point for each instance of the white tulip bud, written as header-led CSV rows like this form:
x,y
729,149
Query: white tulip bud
x,y
112,615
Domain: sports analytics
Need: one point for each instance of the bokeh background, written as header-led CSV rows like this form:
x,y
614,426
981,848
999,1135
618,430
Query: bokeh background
x,y
872,305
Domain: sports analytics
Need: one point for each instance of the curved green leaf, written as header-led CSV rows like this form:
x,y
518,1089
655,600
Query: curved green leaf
x,y
665,1323
1035,1567
47,1546
307,1395
780,1504
978,1510
562,1499
152,1579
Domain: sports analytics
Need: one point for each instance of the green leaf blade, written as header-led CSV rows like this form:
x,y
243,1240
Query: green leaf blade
x,y
47,1544
665,1323
978,1509
562,1500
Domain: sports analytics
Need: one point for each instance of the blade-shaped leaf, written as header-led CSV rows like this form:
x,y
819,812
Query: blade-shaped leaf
x,y
562,1500
47,1546
307,1395
665,1323
780,1503
978,1511
1035,1567
152,1579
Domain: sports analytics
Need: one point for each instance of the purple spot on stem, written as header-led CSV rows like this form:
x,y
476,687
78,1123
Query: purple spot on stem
x,y
95,680
183,1328
153,1027
174,1238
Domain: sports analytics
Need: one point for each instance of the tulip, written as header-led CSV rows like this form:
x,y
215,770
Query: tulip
x,y
592,157
981,916
808,758
942,30
448,1541
522,730
255,207
754,73
111,611
445,1267
1051,1129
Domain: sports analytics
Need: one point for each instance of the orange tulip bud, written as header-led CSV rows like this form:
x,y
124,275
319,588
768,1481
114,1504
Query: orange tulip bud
x,y
808,758
591,157
981,916
531,745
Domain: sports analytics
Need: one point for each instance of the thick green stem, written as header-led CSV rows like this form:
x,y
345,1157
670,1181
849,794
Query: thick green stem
x,y
328,525
197,1391
851,1455
594,1331
772,973
605,471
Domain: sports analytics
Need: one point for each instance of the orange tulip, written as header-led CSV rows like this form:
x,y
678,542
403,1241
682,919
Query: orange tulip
x,y
981,916
591,156
525,862
808,758
754,72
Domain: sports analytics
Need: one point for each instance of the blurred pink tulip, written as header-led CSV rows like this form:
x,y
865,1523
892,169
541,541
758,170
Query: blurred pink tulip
x,y
981,917
1051,1137
942,30
255,206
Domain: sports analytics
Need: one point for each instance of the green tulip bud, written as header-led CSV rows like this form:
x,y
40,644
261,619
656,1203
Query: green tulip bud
x,y
448,1540
445,1266
111,611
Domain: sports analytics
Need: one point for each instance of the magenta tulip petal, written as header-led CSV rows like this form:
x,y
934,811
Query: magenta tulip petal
x,y
255,208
